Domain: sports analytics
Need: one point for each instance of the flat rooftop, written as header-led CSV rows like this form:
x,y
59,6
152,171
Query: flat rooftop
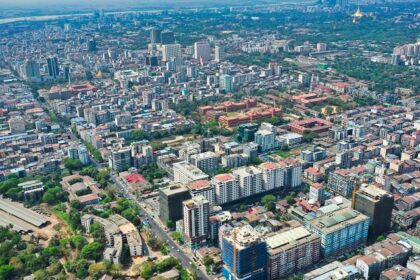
x,y
22,213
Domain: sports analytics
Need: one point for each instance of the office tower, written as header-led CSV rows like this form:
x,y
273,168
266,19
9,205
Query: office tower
x,y
170,202
120,160
66,70
246,132
219,53
249,179
321,47
31,69
341,230
202,51
226,83
203,188
167,37
273,175
206,162
185,172
92,45
377,204
341,181
196,221
52,64
83,154
226,188
155,36
244,254
293,172
171,51
17,125
152,60
290,251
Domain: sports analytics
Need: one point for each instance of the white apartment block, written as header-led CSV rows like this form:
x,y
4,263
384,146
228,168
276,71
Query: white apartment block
x,y
186,173
203,188
206,162
273,175
226,188
202,51
171,51
196,221
250,180
293,172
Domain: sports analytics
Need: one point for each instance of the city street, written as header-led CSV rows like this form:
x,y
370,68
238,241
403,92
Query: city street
x,y
160,233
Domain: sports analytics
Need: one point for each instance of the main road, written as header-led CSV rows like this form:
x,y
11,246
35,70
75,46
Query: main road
x,y
175,249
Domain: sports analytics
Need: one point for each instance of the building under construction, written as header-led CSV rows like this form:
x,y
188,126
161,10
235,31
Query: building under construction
x,y
244,254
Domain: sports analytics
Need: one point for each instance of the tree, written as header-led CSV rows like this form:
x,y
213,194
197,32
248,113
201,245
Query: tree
x,y
73,164
269,201
6,271
170,224
78,241
92,251
306,190
176,236
308,136
96,270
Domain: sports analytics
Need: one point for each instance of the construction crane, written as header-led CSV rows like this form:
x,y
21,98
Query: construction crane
x,y
234,252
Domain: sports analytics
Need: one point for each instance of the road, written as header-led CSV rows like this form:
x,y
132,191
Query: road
x,y
160,233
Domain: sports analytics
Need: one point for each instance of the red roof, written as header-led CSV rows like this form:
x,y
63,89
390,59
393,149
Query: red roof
x,y
134,178
199,184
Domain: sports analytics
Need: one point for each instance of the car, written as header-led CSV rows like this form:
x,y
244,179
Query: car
x,y
177,250
173,247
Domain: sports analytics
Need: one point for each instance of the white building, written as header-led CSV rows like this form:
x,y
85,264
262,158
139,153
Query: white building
x,y
226,188
171,51
293,172
202,51
83,154
203,188
250,180
186,173
219,53
273,175
196,221
206,162
265,139
226,83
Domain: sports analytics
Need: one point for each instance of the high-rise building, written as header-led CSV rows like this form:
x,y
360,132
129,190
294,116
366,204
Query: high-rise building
x,y
152,60
120,160
202,51
226,83
31,69
196,221
170,202
73,152
293,172
185,172
155,36
167,37
203,188
226,188
219,53
52,65
341,230
291,251
244,254
92,45
206,162
265,139
171,51
273,175
83,154
321,47
17,125
377,204
317,193
250,180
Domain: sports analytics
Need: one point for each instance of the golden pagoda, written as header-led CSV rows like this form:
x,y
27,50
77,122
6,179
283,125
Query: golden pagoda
x,y
99,74
357,15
